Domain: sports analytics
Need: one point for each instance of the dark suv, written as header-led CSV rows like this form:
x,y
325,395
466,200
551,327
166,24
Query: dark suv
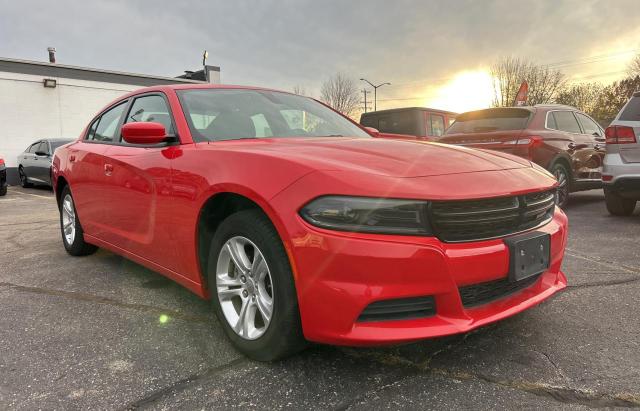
x,y
410,122
562,139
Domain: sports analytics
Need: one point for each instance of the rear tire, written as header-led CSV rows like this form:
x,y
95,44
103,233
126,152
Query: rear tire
x,y
617,205
563,176
3,191
277,334
24,181
70,227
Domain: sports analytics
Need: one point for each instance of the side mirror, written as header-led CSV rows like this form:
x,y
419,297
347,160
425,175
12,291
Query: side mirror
x,y
373,131
143,133
41,154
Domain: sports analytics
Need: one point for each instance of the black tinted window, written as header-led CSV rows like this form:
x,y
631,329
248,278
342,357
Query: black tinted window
x,y
153,109
566,121
631,111
56,144
484,121
437,125
401,122
108,124
588,126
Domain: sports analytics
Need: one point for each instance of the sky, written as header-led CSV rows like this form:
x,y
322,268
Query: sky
x,y
434,53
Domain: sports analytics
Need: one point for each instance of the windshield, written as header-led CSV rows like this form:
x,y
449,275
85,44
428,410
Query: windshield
x,y
230,114
484,121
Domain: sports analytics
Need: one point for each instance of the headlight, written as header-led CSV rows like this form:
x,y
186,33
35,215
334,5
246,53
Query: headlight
x,y
368,215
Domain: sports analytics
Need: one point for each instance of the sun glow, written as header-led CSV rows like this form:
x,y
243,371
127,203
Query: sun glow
x,y
468,90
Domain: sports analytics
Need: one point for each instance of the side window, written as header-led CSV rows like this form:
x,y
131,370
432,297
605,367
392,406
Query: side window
x,y
551,121
588,125
566,121
262,126
151,108
43,147
33,148
108,124
451,121
437,125
92,130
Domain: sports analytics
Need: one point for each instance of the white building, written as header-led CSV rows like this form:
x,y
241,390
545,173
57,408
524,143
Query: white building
x,y
49,100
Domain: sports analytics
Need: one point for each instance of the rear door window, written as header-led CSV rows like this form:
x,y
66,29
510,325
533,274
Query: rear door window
x,y
566,121
437,125
588,126
631,111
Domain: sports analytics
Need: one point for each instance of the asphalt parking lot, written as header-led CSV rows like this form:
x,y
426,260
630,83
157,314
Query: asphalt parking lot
x,y
103,332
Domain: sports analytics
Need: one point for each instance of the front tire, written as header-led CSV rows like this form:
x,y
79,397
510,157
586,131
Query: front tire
x,y
617,205
561,174
24,181
72,233
252,288
3,191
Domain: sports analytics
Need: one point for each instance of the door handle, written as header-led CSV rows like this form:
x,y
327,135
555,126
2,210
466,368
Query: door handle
x,y
108,169
571,146
72,158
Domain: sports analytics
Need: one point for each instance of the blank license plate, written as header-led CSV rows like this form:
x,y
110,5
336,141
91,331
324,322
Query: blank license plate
x,y
529,255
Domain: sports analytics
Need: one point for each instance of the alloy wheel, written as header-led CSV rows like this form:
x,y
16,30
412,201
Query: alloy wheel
x,y
244,287
23,177
563,185
68,219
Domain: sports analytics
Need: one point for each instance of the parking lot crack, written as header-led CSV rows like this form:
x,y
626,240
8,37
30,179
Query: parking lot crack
x,y
183,384
107,301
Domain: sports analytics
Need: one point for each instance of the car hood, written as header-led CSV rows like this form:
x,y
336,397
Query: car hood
x,y
392,158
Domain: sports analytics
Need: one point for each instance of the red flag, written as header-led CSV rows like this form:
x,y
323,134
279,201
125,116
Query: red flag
x,y
521,97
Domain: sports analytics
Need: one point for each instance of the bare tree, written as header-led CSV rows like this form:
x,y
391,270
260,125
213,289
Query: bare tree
x,y
299,90
509,72
341,93
633,69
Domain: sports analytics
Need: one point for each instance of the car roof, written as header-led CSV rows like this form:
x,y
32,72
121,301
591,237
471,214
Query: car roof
x,y
394,110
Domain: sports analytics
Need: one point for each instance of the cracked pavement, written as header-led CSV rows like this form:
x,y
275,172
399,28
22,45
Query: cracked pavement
x,y
103,332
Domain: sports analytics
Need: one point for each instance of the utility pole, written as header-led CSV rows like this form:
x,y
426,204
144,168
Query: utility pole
x,y
366,105
375,92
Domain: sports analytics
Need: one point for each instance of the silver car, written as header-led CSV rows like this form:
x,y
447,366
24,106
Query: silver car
x,y
34,164
621,169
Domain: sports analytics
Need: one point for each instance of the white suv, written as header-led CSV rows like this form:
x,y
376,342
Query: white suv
x,y
621,168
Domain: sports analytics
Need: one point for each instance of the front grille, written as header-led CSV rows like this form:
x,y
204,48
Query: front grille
x,y
399,309
470,220
482,293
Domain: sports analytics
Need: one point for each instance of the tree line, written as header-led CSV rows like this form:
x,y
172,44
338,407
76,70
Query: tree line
x,y
551,86
546,86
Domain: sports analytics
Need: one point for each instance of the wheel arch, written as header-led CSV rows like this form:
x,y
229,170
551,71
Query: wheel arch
x,y
220,205
60,184
565,161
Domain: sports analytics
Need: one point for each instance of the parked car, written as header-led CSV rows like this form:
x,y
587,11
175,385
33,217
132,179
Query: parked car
x,y
300,226
34,164
621,174
411,122
3,177
562,139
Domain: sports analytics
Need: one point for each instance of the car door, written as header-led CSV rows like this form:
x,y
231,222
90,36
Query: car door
x,y
137,191
579,146
42,163
594,134
27,161
88,180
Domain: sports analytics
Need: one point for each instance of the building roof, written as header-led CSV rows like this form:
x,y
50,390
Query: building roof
x,y
86,73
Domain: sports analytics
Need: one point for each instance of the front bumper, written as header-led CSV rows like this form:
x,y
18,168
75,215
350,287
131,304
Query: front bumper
x,y
339,274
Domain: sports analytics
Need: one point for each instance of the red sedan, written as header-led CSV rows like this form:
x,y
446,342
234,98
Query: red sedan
x,y
299,226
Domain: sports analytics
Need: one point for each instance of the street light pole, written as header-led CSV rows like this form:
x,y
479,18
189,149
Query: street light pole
x,y
375,92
